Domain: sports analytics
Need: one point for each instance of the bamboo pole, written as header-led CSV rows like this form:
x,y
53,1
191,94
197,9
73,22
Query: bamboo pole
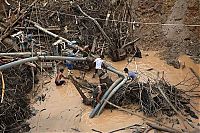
x,y
3,87
22,54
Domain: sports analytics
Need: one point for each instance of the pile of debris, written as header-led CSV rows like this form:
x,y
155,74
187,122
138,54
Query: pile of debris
x,y
151,97
15,88
109,27
91,27
76,20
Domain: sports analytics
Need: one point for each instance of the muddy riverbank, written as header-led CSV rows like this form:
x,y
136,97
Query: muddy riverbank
x,y
63,110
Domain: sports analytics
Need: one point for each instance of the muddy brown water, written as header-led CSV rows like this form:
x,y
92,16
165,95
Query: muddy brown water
x,y
63,110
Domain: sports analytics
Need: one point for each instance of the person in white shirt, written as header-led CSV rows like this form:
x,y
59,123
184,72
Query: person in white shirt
x,y
98,64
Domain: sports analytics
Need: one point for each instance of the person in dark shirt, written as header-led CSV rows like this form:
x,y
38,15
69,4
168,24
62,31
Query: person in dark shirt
x,y
137,52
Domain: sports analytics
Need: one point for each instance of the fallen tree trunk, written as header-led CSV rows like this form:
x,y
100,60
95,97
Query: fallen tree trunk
x,y
123,128
130,43
161,128
69,43
86,100
33,28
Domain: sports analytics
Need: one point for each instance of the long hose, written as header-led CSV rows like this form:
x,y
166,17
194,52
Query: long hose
x,y
113,88
22,61
94,111
111,94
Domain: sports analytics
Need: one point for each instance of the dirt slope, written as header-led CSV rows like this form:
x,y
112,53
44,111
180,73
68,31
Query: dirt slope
x,y
172,40
179,32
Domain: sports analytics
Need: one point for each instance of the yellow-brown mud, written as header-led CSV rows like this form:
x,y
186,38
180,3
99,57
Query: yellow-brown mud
x,y
64,110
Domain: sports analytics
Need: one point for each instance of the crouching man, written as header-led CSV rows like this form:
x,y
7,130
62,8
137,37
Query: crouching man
x,y
131,74
59,81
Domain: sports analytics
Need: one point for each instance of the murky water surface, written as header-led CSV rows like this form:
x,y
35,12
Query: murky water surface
x,y
63,111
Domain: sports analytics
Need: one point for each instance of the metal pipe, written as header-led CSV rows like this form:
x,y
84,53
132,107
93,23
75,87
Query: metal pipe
x,y
94,111
22,54
22,61
112,93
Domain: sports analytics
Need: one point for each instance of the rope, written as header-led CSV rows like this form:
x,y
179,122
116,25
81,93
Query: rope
x,y
129,22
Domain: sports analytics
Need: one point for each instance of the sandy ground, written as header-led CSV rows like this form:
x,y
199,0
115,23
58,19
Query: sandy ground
x,y
63,110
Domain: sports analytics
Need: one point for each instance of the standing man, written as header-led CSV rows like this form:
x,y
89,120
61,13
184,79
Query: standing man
x,y
98,64
59,81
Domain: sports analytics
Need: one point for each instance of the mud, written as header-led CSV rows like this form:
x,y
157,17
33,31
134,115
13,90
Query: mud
x,y
63,110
